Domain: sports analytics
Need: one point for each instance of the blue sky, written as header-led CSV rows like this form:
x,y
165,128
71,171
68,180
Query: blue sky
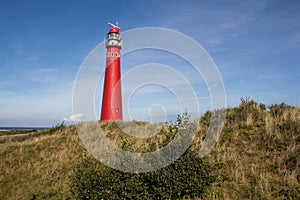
x,y
255,44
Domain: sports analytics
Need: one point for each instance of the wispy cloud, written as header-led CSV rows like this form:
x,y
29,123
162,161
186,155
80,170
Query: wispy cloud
x,y
4,93
44,75
43,107
74,118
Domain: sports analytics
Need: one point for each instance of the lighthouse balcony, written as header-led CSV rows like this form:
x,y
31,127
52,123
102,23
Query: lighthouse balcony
x,y
113,43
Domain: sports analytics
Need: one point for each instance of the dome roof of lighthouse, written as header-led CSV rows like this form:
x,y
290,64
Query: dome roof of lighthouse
x,y
114,30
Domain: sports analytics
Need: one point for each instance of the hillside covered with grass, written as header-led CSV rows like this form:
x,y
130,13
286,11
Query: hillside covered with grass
x,y
256,157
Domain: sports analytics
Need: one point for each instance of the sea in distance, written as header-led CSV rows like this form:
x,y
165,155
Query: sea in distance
x,y
9,128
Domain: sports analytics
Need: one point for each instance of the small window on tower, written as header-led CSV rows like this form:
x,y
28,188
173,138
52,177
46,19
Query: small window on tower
x,y
117,109
112,54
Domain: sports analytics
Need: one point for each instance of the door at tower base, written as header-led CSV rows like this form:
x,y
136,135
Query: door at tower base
x,y
112,96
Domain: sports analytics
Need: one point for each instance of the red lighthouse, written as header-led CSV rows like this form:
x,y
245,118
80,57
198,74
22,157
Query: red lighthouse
x,y
112,97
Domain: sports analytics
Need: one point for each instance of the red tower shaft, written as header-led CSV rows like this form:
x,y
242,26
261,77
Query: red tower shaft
x,y
112,96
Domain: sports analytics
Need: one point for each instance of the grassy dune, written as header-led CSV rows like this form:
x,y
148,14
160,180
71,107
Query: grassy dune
x,y
256,157
258,153
38,164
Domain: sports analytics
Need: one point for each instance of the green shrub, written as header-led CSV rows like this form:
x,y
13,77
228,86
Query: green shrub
x,y
189,176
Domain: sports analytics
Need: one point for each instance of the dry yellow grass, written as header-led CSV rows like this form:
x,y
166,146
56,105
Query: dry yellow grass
x,y
256,157
38,166
259,160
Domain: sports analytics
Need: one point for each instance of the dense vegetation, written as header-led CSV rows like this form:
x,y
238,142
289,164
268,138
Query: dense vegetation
x,y
187,177
256,157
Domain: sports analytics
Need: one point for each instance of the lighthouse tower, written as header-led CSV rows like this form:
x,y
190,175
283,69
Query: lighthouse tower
x,y
112,97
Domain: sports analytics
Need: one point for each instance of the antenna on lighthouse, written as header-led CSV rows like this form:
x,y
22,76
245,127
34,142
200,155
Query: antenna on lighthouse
x,y
114,25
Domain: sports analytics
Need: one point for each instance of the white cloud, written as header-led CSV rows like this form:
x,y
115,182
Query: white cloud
x,y
74,118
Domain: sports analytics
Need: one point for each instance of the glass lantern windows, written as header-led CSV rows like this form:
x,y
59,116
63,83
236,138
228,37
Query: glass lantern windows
x,y
113,36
